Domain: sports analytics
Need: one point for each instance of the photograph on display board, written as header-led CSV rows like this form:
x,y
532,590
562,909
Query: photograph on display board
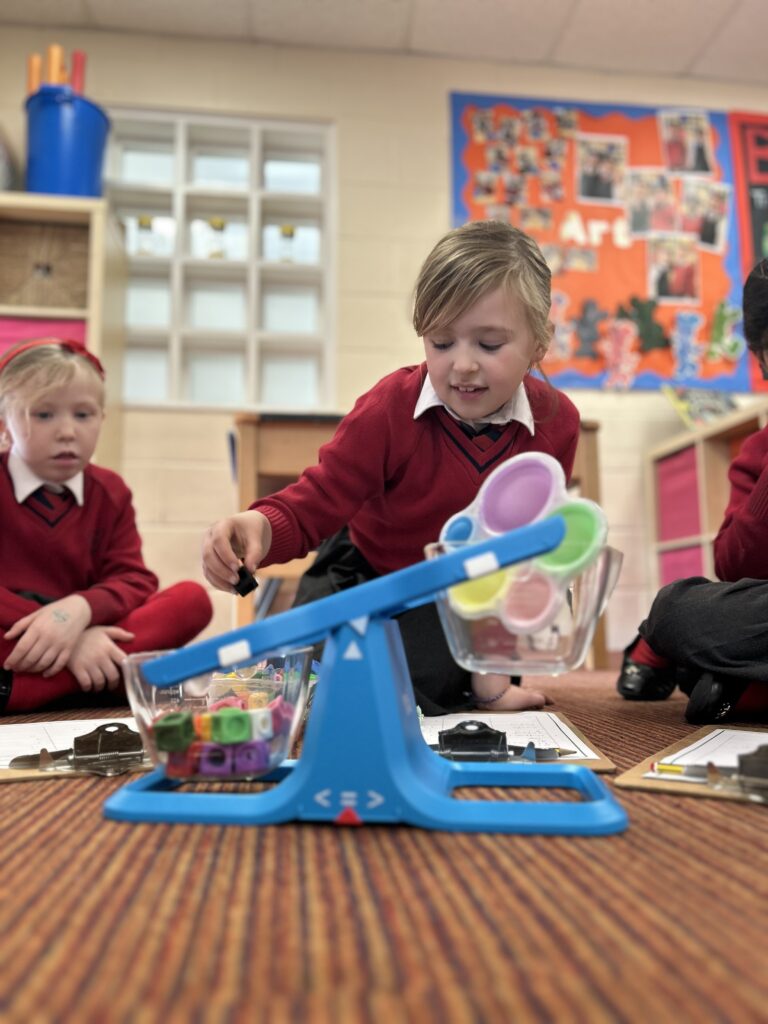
x,y
749,141
633,208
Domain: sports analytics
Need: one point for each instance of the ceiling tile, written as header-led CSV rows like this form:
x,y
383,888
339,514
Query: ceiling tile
x,y
503,30
646,36
347,24
224,19
737,52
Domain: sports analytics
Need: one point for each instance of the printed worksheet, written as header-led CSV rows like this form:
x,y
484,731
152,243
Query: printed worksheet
x,y
721,747
543,728
30,738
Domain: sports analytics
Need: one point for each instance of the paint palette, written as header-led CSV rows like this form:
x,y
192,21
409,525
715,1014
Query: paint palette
x,y
537,616
230,724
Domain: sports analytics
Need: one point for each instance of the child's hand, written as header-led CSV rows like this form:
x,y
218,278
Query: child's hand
x,y
95,661
47,637
245,537
487,684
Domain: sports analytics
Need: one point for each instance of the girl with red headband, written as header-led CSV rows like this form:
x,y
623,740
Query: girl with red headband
x,y
75,594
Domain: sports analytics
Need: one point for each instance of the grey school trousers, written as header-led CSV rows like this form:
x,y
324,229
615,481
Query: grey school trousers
x,y
716,627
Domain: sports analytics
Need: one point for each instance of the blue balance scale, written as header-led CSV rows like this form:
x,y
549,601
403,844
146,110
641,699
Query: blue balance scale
x,y
364,760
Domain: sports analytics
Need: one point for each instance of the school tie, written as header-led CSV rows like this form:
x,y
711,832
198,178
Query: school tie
x,y
50,505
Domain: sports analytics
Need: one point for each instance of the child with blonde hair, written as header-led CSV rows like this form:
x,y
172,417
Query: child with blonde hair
x,y
75,594
416,448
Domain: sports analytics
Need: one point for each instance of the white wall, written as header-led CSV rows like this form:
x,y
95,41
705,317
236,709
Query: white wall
x,y
392,120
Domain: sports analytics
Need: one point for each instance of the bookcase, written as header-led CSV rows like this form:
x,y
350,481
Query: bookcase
x,y
62,273
688,489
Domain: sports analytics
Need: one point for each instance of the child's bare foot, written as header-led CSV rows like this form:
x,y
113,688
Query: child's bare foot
x,y
486,688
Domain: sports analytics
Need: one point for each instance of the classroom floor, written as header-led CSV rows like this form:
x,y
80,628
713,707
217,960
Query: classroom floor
x,y
104,921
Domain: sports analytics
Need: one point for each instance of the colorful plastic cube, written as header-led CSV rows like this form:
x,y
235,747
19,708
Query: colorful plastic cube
x,y
227,702
215,760
174,731
261,724
251,757
231,725
258,699
182,764
203,723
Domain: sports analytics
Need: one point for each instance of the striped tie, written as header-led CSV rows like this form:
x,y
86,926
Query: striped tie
x,y
51,506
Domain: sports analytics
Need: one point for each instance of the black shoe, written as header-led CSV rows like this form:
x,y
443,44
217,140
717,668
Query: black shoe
x,y
643,682
713,699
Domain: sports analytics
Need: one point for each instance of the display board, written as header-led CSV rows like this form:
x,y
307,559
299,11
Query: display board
x,y
634,209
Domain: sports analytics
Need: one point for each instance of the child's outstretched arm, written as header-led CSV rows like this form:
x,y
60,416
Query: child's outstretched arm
x,y
243,538
47,636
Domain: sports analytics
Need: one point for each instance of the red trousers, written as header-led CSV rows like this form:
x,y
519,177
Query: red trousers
x,y
169,619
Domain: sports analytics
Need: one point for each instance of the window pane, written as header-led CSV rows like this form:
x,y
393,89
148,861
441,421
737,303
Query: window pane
x,y
291,242
145,375
291,308
149,234
216,305
148,302
292,381
296,175
145,164
215,378
218,238
220,170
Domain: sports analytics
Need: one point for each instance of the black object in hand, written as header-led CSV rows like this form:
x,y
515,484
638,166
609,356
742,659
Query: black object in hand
x,y
246,582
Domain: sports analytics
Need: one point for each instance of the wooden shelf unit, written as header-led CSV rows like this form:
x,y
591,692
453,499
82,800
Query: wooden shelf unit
x,y
688,490
62,272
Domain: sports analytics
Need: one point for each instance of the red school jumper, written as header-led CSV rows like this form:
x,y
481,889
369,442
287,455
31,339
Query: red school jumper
x,y
395,480
53,547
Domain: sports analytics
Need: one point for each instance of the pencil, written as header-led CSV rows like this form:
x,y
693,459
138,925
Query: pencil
x,y
77,78
34,72
697,771
694,771
54,64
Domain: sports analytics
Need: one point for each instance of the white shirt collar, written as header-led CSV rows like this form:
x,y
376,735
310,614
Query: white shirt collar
x,y
517,408
25,482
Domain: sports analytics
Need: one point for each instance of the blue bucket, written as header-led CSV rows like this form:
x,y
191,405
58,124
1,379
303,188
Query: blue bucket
x,y
66,138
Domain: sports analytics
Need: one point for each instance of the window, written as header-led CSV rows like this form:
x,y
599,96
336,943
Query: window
x,y
229,228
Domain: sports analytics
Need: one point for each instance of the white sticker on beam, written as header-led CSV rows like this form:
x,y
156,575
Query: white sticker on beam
x,y
230,654
480,565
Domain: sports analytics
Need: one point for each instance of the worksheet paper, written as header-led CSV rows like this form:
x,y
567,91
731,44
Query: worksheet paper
x,y
30,738
721,747
543,728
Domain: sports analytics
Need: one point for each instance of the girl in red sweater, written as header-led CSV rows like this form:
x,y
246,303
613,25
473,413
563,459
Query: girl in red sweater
x,y
416,447
75,594
711,638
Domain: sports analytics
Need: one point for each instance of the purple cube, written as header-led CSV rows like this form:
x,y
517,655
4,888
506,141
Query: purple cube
x,y
251,757
215,760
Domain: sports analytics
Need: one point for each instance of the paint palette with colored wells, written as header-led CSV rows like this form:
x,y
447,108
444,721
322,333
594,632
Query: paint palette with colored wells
x,y
225,725
537,616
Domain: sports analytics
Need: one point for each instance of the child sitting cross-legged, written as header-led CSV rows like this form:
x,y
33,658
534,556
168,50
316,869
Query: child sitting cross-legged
x,y
75,594
416,447
710,637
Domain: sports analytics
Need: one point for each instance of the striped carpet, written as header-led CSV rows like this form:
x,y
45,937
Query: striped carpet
x,y
102,921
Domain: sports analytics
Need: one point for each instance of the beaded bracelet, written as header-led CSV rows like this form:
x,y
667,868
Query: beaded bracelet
x,y
491,700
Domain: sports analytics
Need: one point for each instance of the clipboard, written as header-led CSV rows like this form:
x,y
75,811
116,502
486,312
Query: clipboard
x,y
559,732
634,778
25,738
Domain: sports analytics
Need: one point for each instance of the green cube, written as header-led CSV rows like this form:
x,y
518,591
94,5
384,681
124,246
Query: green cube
x,y
174,731
230,725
